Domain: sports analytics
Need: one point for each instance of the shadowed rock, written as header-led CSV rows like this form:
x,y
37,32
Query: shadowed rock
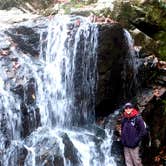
x,y
112,51
26,39
70,152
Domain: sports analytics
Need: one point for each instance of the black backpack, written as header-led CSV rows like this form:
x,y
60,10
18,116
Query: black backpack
x,y
146,140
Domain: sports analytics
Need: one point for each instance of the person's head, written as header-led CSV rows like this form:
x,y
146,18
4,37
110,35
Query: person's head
x,y
128,107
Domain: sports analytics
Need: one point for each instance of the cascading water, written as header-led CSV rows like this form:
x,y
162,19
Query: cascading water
x,y
70,72
56,123
131,66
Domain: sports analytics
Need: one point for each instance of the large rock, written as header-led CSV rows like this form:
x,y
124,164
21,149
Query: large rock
x,y
112,51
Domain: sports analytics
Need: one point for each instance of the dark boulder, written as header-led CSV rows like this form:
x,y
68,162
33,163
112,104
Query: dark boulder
x,y
70,152
26,39
112,50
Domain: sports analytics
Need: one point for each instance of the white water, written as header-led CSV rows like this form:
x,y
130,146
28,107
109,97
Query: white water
x,y
131,65
66,75
57,100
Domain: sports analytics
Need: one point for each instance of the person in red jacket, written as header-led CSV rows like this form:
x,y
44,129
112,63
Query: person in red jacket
x,y
132,132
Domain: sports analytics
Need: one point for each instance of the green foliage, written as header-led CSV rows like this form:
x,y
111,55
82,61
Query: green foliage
x,y
161,38
7,4
88,2
124,11
66,8
164,104
162,53
155,13
82,2
42,4
76,4
104,12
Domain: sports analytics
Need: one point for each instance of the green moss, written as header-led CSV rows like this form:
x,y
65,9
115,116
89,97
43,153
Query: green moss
x,y
156,13
164,105
7,4
162,53
161,38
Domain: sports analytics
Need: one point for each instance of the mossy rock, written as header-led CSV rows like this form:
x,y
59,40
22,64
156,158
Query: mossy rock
x,y
155,13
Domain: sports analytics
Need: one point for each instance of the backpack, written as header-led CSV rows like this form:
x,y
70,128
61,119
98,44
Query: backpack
x,y
146,140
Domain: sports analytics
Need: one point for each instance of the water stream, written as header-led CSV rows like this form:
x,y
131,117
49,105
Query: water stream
x,y
130,74
60,111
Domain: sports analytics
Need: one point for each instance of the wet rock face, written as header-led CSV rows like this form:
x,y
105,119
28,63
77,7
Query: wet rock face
x,y
30,119
22,153
18,159
26,39
30,113
70,152
49,156
111,52
30,91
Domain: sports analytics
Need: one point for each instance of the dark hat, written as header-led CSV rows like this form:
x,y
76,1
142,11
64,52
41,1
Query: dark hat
x,y
128,105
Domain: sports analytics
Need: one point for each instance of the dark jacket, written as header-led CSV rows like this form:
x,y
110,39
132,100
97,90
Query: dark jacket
x,y
133,130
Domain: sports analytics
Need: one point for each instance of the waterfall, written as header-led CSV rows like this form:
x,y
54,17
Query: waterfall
x,y
131,68
70,71
50,120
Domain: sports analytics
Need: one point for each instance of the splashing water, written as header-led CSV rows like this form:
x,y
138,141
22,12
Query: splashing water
x,y
65,77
